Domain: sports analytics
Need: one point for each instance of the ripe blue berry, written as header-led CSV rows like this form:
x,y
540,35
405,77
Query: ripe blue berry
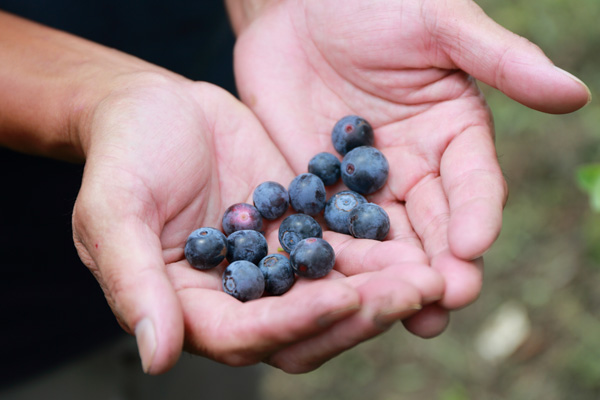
x,y
365,170
312,258
205,248
271,199
326,166
278,273
241,216
246,245
369,221
296,227
243,280
307,194
351,132
338,207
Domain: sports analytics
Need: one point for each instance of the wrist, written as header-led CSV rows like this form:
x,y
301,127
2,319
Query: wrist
x,y
50,81
243,12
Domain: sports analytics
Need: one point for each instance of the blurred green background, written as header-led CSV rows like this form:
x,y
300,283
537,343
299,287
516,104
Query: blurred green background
x,y
542,277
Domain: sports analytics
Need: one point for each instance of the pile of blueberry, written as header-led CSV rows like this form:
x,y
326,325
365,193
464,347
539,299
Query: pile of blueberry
x,y
251,271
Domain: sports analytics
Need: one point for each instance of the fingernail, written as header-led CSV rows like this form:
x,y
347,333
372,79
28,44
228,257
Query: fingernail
x,y
576,79
145,337
329,319
385,319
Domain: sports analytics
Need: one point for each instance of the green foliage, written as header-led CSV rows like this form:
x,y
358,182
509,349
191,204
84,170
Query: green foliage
x,y
588,178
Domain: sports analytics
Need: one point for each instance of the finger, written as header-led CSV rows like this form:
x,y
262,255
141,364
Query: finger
x,y
235,333
476,44
127,262
428,210
476,191
430,322
385,301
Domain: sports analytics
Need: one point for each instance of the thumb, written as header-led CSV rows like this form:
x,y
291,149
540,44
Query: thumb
x,y
494,55
125,256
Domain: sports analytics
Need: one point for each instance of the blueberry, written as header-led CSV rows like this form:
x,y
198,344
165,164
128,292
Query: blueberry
x,y
365,170
312,258
338,209
243,280
205,248
246,245
351,132
296,227
241,216
307,194
278,273
271,199
369,221
326,166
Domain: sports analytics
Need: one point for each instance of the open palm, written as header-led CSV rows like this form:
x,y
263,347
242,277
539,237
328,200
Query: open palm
x,y
166,157
302,65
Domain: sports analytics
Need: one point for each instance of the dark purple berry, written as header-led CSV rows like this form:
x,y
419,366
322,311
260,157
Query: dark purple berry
x,y
326,166
246,245
296,227
307,194
205,248
243,280
365,170
351,132
369,221
241,216
278,273
271,199
338,207
312,258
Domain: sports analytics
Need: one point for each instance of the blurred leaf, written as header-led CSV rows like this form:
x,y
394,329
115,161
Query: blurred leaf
x,y
588,178
455,392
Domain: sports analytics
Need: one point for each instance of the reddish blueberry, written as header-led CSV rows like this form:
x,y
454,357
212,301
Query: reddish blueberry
x,y
241,216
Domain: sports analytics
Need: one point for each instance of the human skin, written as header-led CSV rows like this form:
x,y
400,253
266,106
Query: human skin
x,y
410,69
163,156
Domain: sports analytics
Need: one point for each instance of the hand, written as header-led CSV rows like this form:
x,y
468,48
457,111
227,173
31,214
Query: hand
x,y
404,66
166,156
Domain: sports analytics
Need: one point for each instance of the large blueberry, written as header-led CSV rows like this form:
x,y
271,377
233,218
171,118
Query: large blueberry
x,y
365,170
271,199
326,166
338,209
307,194
246,245
278,273
243,280
241,216
296,227
369,221
205,248
312,258
350,132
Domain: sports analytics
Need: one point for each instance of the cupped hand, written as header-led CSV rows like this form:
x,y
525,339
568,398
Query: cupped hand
x,y
165,156
408,68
